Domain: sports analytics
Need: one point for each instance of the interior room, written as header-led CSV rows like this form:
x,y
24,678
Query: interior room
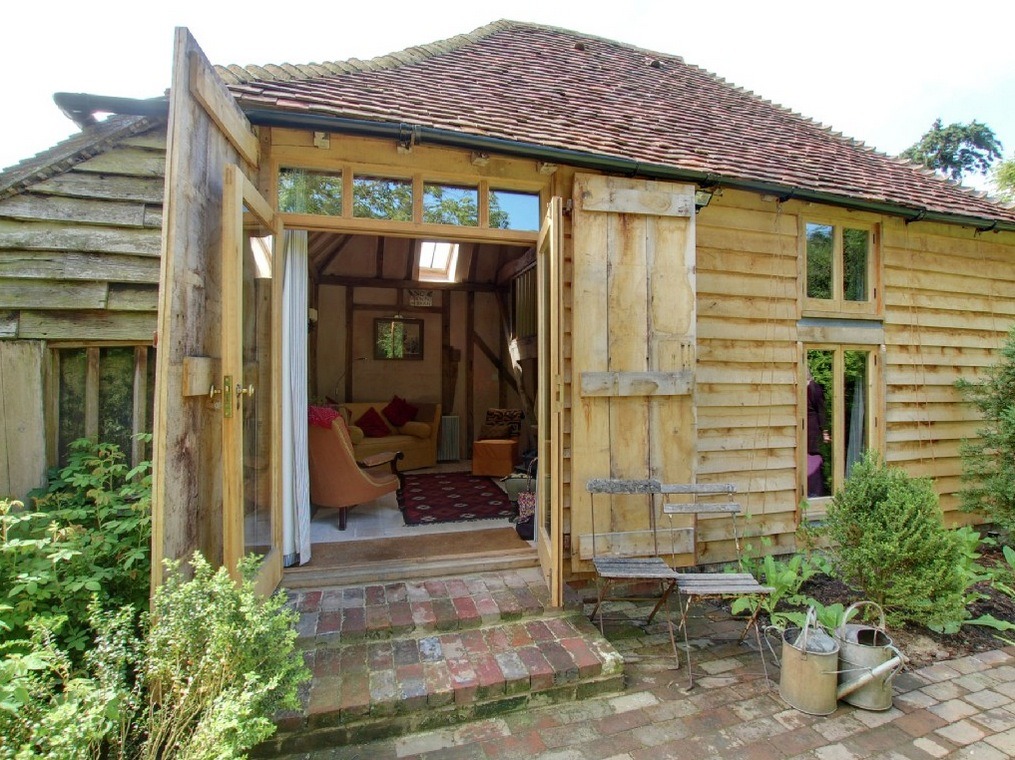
x,y
448,330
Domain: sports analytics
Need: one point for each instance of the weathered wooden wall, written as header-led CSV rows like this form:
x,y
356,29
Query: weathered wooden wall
x,y
79,252
79,265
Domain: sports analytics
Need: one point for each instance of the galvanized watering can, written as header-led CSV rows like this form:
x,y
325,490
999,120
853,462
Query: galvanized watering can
x,y
868,661
810,658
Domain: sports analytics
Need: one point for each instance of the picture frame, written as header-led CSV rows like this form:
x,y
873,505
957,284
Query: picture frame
x,y
397,338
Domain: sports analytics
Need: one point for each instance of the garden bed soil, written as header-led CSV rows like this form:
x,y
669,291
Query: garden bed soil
x,y
920,644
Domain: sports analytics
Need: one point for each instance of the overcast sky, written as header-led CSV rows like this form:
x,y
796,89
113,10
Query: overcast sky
x,y
880,72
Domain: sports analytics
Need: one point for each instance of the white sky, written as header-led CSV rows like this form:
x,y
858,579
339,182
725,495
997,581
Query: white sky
x,y
880,72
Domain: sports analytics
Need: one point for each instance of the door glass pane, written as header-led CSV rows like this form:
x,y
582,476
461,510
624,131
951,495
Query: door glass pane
x,y
256,408
855,252
855,390
820,422
819,260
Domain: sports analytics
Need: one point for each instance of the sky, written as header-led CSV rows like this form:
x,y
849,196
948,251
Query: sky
x,y
880,72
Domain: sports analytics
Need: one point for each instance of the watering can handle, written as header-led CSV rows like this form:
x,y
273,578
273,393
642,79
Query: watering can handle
x,y
840,632
810,620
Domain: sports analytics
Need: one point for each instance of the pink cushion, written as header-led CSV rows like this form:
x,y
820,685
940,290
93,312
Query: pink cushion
x,y
322,416
813,463
372,424
399,411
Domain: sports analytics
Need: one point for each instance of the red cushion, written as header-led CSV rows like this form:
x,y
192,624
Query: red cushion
x,y
372,424
322,416
399,411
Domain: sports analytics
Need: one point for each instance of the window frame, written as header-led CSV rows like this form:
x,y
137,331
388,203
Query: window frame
x,y
838,305
817,506
142,402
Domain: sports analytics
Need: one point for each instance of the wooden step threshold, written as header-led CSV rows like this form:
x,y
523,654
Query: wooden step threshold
x,y
377,572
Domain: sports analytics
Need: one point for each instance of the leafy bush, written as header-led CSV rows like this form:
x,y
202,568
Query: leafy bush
x,y
890,543
786,577
214,664
988,462
88,536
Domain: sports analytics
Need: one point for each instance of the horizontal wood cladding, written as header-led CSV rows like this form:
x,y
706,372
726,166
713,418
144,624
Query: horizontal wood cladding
x,y
748,360
79,251
949,301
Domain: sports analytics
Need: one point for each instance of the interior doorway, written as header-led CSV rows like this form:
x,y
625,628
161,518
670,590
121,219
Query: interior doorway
x,y
441,324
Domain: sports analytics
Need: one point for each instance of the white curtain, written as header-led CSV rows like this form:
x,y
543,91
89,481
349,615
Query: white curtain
x,y
857,423
295,478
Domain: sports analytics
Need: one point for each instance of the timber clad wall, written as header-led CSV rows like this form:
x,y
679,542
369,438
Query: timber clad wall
x,y
949,302
748,361
79,266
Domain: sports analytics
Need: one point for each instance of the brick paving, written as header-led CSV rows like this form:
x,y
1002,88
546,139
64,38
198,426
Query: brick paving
x,y
963,708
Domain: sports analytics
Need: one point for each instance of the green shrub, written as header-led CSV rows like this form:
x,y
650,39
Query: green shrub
x,y
988,462
215,663
890,543
89,535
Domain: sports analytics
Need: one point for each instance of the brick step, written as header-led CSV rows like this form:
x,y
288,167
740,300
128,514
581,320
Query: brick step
x,y
330,616
386,680
367,690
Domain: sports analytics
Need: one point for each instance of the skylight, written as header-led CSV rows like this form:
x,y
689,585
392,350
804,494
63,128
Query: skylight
x,y
437,261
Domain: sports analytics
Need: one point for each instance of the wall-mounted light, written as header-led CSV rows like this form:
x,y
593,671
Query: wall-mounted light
x,y
702,198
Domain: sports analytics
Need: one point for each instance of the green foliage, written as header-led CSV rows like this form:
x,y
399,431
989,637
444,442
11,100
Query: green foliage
x,y
957,149
988,462
214,664
785,576
890,543
1004,180
88,537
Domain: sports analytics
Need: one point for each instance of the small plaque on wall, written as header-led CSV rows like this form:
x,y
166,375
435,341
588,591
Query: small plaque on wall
x,y
420,297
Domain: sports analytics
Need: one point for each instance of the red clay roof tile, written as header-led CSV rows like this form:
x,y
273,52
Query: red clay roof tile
x,y
561,89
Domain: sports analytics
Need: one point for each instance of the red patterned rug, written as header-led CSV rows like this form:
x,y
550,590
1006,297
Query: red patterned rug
x,y
453,497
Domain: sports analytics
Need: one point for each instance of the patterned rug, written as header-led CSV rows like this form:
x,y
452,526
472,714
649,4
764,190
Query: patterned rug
x,y
453,497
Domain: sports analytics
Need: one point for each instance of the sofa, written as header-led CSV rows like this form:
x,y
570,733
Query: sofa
x,y
416,439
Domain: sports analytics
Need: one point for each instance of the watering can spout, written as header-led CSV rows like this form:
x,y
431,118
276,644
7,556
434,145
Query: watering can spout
x,y
873,674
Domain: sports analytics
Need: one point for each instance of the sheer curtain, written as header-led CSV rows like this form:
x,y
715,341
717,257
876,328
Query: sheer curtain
x,y
857,423
295,478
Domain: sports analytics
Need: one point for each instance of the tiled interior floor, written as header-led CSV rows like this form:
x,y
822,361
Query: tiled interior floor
x,y
381,518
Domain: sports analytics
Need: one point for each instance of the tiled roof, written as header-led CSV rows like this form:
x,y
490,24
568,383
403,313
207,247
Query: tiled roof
x,y
85,144
564,90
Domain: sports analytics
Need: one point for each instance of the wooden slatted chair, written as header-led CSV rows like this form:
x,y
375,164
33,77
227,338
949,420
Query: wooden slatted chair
x,y
612,570
696,586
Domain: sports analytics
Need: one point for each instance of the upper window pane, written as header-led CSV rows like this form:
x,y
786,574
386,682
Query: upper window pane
x,y
820,238
382,198
449,204
514,211
855,255
306,192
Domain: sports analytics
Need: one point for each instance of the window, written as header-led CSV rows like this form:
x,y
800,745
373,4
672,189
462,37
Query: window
x,y
382,198
839,421
840,264
438,261
513,210
307,192
448,204
104,393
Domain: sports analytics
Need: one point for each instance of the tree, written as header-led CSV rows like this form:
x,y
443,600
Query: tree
x,y
1004,180
957,149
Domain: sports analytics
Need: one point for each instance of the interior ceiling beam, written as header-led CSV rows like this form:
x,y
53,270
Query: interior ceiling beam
x,y
334,250
378,282
515,267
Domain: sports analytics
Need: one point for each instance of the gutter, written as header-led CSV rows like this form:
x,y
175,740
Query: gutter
x,y
80,107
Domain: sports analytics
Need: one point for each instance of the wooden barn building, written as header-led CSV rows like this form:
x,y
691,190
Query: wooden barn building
x,y
650,261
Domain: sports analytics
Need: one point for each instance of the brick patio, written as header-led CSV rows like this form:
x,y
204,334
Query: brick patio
x,y
961,708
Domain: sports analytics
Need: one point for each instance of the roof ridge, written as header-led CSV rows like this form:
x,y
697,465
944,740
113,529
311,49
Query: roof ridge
x,y
236,74
71,151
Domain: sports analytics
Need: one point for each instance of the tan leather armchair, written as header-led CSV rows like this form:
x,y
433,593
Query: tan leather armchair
x,y
339,481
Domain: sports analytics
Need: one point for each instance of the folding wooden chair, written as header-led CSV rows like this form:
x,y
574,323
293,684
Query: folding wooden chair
x,y
612,570
696,586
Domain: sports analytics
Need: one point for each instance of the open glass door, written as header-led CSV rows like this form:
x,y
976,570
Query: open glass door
x,y
251,369
549,483
215,462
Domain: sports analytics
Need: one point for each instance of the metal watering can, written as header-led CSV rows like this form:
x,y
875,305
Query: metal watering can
x,y
868,660
809,667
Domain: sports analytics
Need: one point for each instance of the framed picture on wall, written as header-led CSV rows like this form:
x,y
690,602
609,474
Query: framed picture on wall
x,y
398,338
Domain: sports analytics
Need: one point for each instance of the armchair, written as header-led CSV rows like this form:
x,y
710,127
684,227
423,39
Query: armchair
x,y
339,481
